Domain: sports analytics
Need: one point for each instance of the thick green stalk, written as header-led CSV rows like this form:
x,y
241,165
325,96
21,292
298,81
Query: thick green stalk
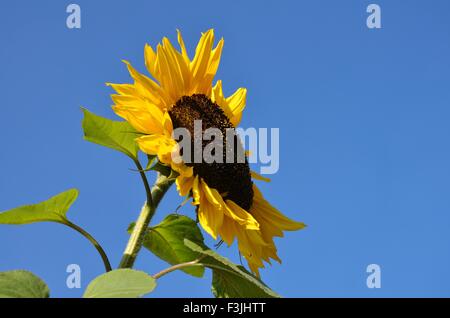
x,y
160,188
136,240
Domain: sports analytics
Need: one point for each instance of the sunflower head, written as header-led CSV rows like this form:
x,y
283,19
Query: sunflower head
x,y
178,94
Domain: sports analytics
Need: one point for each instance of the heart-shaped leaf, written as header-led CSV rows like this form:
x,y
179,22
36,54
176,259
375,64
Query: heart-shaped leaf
x,y
22,284
117,135
229,279
53,210
166,240
120,283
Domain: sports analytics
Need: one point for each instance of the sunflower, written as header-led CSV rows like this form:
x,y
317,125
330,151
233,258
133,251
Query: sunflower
x,y
229,205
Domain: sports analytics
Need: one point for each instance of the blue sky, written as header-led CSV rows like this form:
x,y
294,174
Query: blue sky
x,y
363,117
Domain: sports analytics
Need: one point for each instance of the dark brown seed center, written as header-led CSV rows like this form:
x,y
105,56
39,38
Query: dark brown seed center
x,y
232,180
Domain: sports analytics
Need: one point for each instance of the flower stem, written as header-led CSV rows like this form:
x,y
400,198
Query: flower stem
x,y
136,240
148,192
92,240
176,267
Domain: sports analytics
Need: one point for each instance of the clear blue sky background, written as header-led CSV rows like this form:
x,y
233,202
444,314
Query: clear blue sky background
x,y
363,115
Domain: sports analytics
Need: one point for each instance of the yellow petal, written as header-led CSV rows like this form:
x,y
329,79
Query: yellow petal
x,y
213,65
184,185
167,125
233,106
259,177
157,145
182,169
140,117
123,89
196,191
183,48
212,195
179,65
209,215
272,221
148,88
133,102
236,103
228,230
200,63
171,76
241,216
209,220
218,98
229,208
151,61
251,245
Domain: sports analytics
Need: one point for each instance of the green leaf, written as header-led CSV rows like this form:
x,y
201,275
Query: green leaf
x,y
52,210
166,240
120,283
229,279
22,284
118,135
